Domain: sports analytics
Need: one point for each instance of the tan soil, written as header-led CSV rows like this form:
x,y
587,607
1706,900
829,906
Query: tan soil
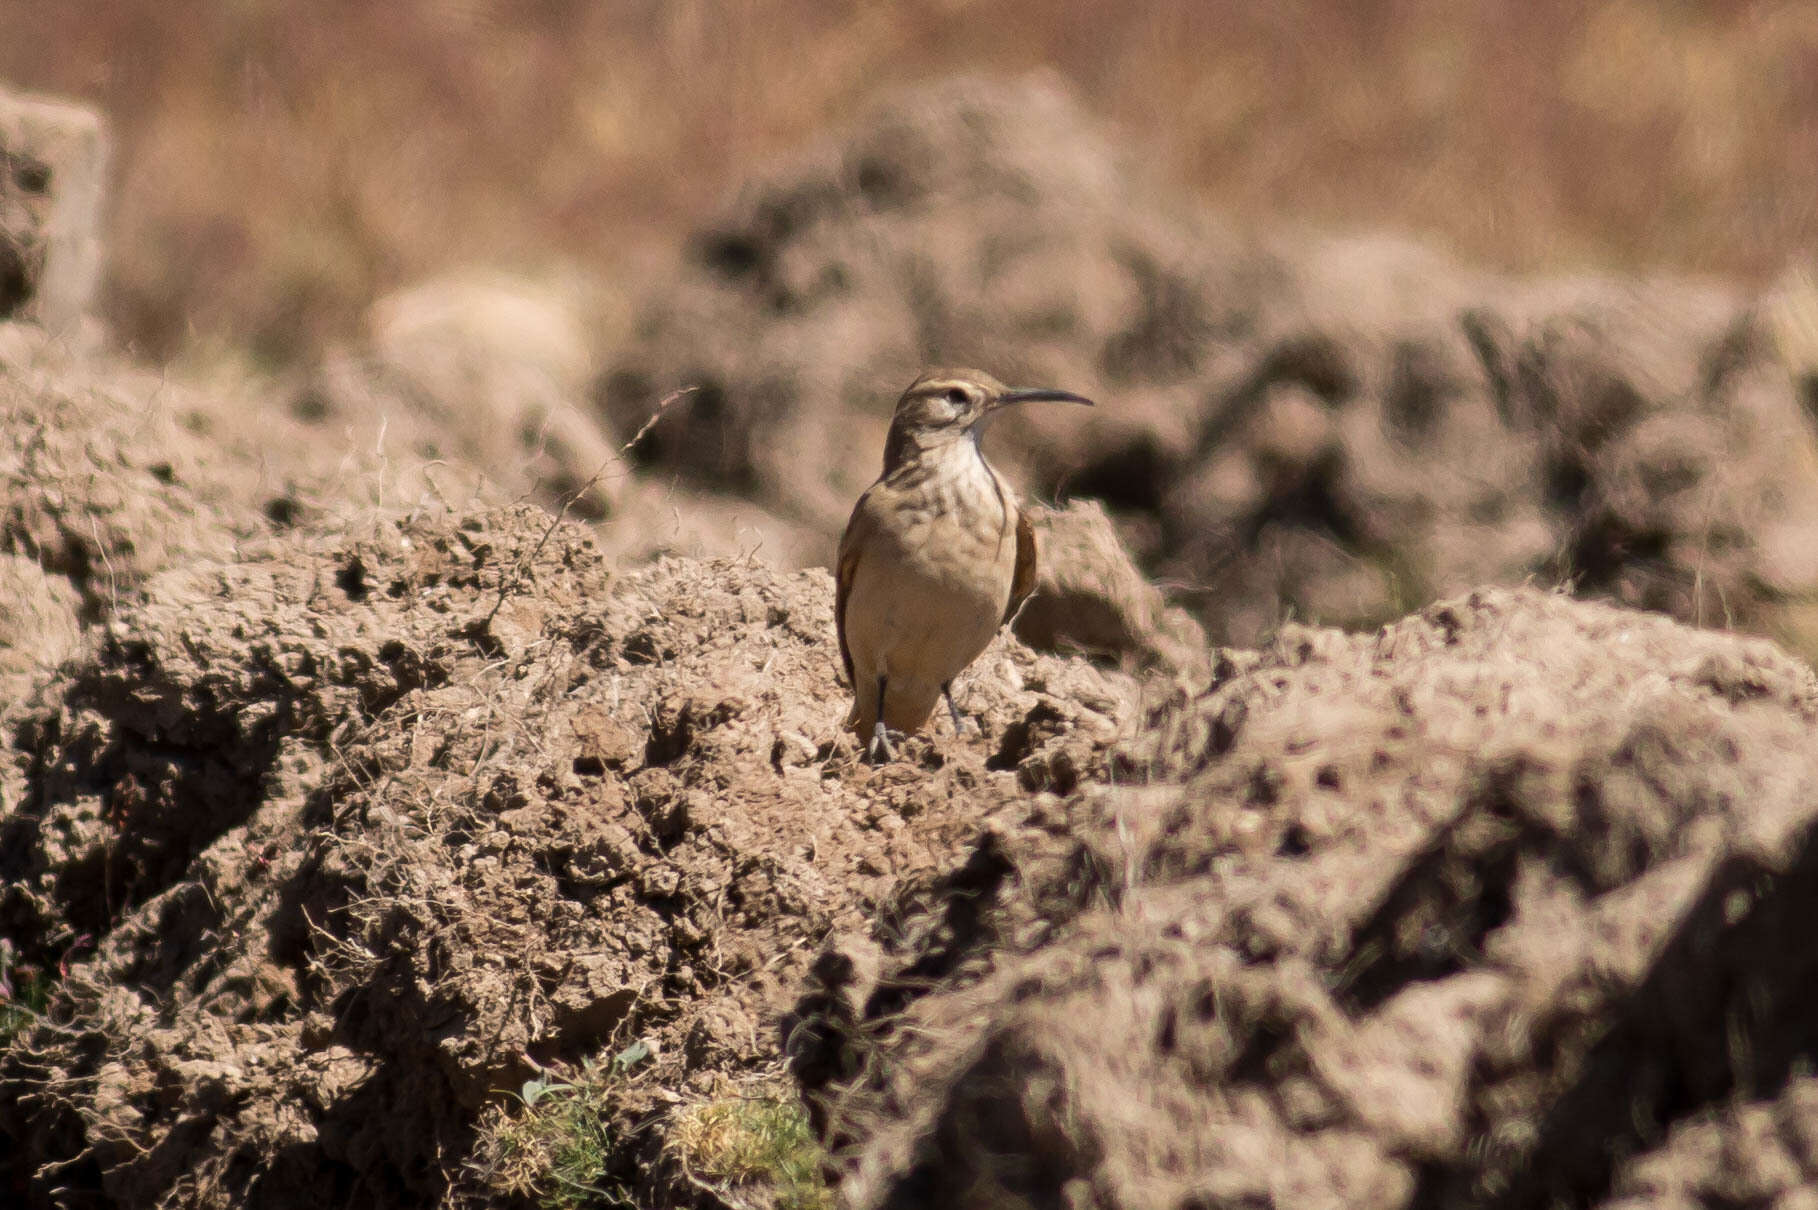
x,y
342,838
1470,910
344,788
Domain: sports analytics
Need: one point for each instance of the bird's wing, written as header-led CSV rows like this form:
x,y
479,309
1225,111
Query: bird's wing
x,y
846,567
1022,582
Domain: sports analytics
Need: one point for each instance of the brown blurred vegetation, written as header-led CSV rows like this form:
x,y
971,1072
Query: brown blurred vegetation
x,y
280,162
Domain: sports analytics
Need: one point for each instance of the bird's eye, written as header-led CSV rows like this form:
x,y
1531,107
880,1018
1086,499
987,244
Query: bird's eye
x,y
956,396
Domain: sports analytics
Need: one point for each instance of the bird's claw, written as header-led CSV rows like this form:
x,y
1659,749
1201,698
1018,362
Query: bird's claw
x,y
881,749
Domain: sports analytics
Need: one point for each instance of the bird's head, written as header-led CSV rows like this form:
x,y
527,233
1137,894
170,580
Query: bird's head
x,y
949,405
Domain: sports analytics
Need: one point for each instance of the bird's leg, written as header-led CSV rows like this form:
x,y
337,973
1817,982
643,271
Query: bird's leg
x,y
879,749
952,710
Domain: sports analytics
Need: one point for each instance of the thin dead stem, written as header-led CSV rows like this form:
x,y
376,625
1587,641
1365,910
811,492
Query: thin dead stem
x,y
510,584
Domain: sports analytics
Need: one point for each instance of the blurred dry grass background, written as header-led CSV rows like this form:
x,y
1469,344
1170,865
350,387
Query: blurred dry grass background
x,y
280,162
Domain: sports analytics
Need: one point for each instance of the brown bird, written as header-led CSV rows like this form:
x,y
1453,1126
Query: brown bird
x,y
936,557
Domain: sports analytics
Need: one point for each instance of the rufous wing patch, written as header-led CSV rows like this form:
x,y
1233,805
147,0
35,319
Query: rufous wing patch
x,y
1022,581
844,572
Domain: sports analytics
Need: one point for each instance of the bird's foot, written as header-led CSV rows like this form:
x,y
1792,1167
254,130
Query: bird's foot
x,y
953,712
882,748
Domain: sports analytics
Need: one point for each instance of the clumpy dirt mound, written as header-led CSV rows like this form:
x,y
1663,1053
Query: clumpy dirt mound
x,y
1762,1153
1090,596
110,474
971,224
38,625
53,162
490,369
1678,461
974,223
1337,429
1469,910
1638,441
341,840
99,485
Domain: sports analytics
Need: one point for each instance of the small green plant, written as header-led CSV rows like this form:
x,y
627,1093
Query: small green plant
x,y
24,992
559,1148
753,1141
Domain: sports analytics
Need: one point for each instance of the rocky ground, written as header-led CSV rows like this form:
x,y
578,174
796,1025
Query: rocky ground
x,y
444,744
1473,909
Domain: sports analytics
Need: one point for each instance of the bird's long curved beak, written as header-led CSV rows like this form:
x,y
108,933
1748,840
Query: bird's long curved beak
x,y
1040,395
